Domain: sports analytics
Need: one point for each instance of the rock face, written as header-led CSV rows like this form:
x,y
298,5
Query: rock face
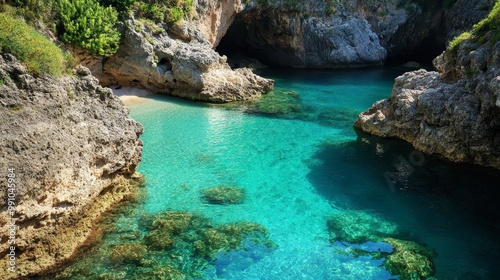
x,y
454,112
303,36
465,13
215,17
334,34
179,61
73,151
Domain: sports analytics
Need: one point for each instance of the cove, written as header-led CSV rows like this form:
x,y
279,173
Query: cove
x,y
300,162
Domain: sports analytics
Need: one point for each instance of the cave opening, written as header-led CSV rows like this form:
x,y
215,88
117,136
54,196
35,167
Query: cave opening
x,y
245,45
163,66
430,47
239,51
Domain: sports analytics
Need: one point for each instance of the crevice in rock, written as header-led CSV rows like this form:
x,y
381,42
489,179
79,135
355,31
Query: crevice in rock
x,y
163,66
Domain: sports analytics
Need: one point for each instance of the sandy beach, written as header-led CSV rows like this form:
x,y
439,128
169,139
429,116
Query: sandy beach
x,y
131,96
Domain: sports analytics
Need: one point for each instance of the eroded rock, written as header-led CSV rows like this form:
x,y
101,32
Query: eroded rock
x,y
73,150
454,113
187,68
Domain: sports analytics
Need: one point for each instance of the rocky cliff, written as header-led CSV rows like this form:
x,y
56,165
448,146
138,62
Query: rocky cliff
x,y
332,34
454,112
178,59
69,152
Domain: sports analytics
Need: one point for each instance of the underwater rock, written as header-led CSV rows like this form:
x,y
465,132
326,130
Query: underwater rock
x,y
409,260
165,272
171,221
279,103
177,245
223,195
359,227
127,253
231,236
159,239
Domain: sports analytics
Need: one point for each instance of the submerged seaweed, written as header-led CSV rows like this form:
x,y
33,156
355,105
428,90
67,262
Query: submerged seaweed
x,y
279,103
407,259
223,195
171,245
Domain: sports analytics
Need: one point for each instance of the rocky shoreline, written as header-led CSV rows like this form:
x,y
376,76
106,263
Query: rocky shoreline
x,y
454,112
73,151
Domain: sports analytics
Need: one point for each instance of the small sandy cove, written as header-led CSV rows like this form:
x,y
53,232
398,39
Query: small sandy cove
x,y
131,96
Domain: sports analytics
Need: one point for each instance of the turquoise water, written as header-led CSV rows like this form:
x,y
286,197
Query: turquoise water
x,y
301,162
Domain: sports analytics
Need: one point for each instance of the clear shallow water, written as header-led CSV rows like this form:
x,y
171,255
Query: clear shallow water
x,y
301,166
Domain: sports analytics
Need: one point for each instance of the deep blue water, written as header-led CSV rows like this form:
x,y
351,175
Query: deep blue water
x,y
300,161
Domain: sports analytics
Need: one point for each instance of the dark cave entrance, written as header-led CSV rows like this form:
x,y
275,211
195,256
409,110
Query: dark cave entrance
x,y
429,48
238,50
245,43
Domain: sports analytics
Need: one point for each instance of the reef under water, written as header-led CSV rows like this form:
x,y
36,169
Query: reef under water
x,y
284,188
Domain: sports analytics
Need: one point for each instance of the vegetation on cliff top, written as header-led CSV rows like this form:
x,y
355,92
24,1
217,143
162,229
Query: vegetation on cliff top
x,y
92,25
87,24
164,10
487,29
33,49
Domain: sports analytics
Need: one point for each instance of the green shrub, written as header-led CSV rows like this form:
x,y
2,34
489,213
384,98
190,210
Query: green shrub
x,y
35,9
486,29
166,10
455,43
37,52
86,24
175,14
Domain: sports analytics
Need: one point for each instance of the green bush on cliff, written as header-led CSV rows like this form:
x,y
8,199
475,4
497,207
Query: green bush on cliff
x,y
37,52
164,10
487,29
34,9
87,24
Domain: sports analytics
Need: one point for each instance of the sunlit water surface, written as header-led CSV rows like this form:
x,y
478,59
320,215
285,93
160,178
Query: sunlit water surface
x,y
302,163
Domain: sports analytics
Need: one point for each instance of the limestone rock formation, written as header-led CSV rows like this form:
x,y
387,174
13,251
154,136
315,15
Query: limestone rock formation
x,y
179,61
454,112
73,151
332,34
215,17
303,36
